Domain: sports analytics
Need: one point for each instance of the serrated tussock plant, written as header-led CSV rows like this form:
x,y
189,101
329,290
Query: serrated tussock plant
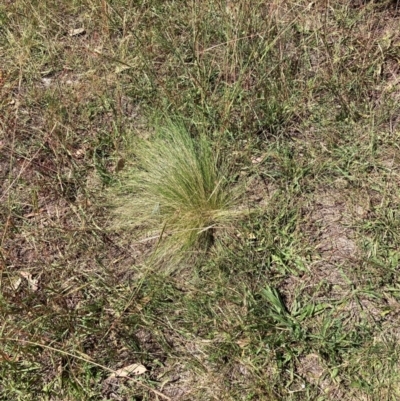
x,y
178,194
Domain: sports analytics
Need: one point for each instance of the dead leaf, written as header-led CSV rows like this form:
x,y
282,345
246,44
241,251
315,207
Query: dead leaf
x,y
79,153
15,283
120,165
243,342
76,32
46,82
134,369
5,357
258,160
33,283
121,68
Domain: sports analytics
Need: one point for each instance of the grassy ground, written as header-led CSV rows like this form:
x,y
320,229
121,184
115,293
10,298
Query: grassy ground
x,y
300,300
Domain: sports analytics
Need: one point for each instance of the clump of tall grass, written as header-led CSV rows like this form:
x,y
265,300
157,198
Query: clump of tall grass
x,y
179,194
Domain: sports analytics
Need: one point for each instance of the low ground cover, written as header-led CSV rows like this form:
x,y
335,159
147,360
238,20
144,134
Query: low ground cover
x,y
294,298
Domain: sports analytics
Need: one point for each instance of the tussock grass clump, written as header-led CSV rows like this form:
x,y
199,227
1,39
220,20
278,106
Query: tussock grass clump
x,y
179,192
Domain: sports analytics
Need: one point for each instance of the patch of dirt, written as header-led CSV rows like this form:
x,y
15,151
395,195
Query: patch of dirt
x,y
335,241
311,368
176,380
259,191
331,213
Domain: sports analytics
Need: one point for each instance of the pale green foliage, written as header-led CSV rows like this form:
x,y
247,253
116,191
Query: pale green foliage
x,y
178,188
